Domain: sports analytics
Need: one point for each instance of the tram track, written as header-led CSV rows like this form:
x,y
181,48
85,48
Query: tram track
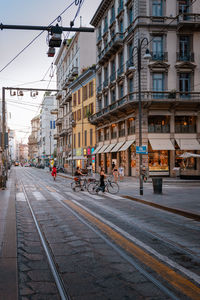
x,y
52,264
114,246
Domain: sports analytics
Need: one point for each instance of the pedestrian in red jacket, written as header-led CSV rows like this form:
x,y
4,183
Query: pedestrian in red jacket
x,y
54,172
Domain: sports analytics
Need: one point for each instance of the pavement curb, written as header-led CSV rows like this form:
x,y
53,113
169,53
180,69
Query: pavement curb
x,y
183,213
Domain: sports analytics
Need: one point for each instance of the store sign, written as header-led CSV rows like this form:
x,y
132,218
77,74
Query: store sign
x,y
92,150
79,151
85,151
141,150
93,159
88,151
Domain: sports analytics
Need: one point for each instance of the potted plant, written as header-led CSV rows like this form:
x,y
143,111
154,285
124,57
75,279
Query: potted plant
x,y
172,94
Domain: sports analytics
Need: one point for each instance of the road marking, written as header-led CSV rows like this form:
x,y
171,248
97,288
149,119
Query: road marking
x,y
57,196
38,196
20,197
113,196
176,280
73,195
50,189
92,196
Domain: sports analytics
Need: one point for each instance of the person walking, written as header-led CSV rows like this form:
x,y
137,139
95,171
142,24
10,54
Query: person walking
x,y
54,172
121,172
115,174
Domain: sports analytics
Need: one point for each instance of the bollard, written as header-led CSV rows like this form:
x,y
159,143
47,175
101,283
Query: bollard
x,y
157,185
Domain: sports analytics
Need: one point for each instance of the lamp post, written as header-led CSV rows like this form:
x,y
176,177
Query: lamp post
x,y
50,144
73,123
146,56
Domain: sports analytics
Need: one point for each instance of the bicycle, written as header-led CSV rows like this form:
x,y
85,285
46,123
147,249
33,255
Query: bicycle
x,y
110,187
81,183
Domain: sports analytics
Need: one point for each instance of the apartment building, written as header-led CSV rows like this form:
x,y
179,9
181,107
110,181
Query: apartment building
x,y
73,58
170,82
33,140
83,105
47,144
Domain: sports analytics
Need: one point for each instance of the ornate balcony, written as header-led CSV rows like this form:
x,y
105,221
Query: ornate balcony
x,y
59,121
74,71
56,136
111,48
159,56
127,104
188,21
67,98
185,57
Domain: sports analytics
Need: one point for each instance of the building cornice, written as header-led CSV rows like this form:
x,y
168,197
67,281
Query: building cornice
x,y
100,12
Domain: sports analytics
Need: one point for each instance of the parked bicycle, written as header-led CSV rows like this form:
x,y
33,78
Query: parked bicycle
x,y
110,187
81,183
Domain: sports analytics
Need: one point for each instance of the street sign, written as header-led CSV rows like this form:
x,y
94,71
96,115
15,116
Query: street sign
x,y
141,150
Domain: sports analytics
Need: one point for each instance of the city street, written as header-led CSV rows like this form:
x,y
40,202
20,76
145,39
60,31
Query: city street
x,y
73,245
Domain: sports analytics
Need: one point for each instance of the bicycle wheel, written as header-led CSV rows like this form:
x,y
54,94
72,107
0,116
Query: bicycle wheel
x,y
113,187
93,188
75,187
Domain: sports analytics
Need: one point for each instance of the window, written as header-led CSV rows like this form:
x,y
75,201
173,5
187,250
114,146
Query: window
x,y
79,115
84,111
106,134
74,116
79,96
113,131
90,89
91,108
74,140
157,8
99,103
113,98
79,140
121,129
185,124
84,93
112,76
131,126
184,9
54,124
91,137
112,13
74,99
158,124
121,26
157,48
130,87
130,15
184,46
121,91
184,85
106,100
85,138
158,84
51,127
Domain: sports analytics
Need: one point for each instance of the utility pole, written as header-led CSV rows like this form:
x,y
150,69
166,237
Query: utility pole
x,y
3,136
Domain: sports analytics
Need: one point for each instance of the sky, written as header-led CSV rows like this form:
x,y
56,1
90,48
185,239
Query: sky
x,y
32,68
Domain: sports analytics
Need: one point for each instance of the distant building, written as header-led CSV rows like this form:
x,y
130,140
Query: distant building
x,y
12,145
47,144
23,153
33,140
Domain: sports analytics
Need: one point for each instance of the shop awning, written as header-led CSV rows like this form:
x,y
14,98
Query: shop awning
x,y
126,145
103,149
117,146
188,144
97,150
161,144
77,158
109,148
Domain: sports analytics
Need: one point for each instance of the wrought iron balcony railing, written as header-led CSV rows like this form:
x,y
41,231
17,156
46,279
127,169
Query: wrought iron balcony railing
x,y
185,56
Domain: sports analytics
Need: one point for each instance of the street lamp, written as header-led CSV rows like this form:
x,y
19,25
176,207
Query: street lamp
x,y
146,56
73,123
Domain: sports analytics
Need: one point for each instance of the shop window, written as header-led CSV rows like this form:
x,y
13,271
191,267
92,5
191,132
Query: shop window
x,y
159,124
189,163
185,124
158,160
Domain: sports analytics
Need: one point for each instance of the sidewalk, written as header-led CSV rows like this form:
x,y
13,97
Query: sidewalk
x,y
178,195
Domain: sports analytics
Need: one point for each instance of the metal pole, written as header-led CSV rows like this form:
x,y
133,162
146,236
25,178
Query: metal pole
x,y
72,152
140,115
3,139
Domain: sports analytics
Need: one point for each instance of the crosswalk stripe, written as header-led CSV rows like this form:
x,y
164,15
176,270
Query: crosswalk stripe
x,y
57,196
113,196
92,196
38,196
20,197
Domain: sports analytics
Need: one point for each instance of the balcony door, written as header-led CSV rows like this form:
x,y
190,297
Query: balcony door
x,y
184,48
157,8
158,85
158,48
184,8
184,85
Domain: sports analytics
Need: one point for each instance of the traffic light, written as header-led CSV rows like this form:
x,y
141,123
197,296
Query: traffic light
x,y
55,40
51,52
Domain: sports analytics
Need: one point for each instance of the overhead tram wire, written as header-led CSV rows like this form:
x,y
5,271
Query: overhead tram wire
x,y
33,40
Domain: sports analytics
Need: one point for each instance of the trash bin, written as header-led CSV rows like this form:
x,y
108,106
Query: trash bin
x,y
157,185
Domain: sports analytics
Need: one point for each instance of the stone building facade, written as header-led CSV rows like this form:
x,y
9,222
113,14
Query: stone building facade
x,y
170,83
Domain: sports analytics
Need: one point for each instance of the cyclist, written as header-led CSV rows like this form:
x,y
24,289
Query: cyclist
x,y
102,178
78,174
54,172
